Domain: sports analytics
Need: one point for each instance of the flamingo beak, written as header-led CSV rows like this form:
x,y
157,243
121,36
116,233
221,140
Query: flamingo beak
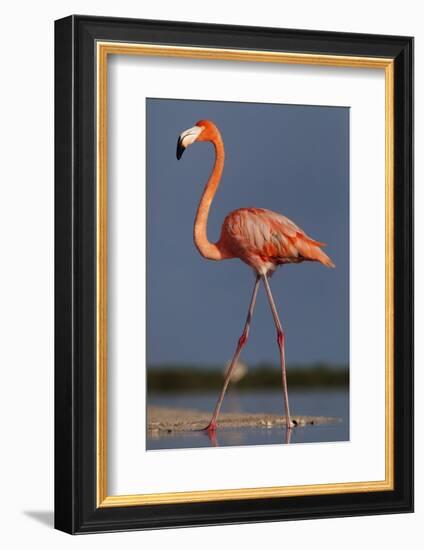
x,y
187,138
180,148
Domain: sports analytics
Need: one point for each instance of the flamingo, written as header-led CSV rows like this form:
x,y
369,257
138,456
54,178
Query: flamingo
x,y
261,238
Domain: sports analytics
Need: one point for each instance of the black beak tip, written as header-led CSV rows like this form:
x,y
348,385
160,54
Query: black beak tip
x,y
180,150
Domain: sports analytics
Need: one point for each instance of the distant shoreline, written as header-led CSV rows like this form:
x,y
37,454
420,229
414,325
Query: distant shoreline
x,y
183,378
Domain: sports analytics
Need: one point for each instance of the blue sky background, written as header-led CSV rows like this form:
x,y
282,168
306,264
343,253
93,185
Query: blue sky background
x,y
293,159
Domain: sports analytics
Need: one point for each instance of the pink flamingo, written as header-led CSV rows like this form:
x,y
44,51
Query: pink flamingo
x,y
261,238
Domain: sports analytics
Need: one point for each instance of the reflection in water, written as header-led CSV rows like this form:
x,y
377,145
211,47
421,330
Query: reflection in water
x,y
213,437
231,437
238,439
289,432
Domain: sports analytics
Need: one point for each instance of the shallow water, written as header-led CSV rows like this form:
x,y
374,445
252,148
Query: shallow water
x,y
334,403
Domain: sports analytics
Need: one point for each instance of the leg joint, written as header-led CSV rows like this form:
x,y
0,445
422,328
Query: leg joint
x,y
243,339
280,337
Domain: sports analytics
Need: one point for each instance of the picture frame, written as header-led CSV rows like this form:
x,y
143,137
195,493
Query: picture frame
x,y
83,45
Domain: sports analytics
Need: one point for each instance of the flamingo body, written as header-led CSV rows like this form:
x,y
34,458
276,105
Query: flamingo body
x,y
264,239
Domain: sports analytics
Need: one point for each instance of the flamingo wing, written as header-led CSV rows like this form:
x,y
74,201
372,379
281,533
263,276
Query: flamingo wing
x,y
272,237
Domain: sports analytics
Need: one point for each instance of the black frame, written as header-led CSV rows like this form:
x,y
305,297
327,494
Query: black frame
x,y
75,275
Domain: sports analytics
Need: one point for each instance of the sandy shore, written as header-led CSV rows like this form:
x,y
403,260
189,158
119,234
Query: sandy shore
x,y
177,420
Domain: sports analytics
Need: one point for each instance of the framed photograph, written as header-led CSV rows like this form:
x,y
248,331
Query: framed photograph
x,y
234,274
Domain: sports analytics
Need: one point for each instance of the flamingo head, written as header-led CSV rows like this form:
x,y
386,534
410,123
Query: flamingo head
x,y
203,130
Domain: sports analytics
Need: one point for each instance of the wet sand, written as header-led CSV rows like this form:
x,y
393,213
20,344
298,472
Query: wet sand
x,y
163,419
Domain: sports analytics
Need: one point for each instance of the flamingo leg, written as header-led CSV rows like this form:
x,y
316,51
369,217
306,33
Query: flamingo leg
x,y
281,345
240,344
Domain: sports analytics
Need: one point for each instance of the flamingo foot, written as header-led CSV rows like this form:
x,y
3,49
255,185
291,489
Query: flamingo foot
x,y
211,427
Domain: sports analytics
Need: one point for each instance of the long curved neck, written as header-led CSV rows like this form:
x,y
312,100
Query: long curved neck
x,y
207,249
